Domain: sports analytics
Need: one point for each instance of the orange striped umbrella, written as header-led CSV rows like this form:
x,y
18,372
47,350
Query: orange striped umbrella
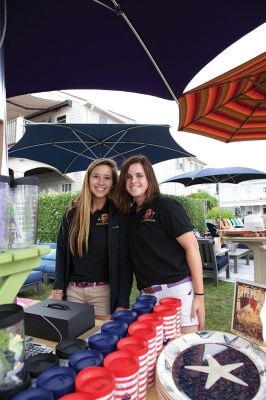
x,y
231,107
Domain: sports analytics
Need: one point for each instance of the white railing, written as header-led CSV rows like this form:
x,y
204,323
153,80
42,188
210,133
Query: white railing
x,y
15,130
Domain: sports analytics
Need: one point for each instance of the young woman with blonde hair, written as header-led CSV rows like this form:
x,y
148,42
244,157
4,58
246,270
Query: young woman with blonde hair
x,y
164,252
91,256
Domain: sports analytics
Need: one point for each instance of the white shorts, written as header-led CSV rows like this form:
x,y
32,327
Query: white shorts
x,y
183,291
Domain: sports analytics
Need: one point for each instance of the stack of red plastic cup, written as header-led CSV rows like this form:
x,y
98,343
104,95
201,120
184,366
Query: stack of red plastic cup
x,y
169,321
177,303
148,333
156,320
125,367
98,383
139,348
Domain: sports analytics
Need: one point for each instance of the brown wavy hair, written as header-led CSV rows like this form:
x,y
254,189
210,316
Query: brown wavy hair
x,y
80,225
123,199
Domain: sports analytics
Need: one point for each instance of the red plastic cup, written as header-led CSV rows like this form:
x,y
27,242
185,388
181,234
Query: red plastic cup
x,y
156,320
76,396
98,383
177,303
169,321
137,347
148,333
125,367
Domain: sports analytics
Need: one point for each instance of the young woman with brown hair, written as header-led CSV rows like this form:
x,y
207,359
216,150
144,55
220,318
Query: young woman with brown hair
x,y
164,252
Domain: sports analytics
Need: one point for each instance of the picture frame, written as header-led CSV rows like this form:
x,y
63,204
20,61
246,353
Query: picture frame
x,y
249,311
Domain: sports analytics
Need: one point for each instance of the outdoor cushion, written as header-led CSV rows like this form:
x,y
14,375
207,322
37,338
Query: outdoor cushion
x,y
221,261
51,244
33,276
47,266
49,256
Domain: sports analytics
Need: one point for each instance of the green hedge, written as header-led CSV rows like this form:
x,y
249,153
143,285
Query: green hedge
x,y
194,209
51,210
53,207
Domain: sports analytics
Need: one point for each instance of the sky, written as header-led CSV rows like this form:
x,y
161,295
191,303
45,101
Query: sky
x,y
149,109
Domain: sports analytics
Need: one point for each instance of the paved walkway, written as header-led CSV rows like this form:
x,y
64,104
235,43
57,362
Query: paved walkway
x,y
244,271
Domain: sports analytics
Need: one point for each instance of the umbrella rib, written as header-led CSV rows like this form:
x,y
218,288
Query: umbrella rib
x,y
123,15
245,120
217,108
75,152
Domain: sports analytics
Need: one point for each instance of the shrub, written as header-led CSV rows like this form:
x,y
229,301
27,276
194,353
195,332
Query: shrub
x,y
51,210
53,207
194,209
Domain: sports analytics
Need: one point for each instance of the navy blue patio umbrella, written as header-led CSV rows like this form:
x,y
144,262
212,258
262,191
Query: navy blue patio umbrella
x,y
218,175
150,47
72,147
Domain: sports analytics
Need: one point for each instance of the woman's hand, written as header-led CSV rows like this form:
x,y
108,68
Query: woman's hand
x,y
57,294
198,309
121,308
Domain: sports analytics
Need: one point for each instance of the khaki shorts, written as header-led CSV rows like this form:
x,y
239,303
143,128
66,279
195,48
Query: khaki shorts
x,y
98,296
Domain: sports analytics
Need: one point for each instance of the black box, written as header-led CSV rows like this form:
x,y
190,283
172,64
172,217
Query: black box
x,y
71,319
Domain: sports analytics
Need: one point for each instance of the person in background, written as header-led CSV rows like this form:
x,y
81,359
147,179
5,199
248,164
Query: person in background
x,y
91,255
163,250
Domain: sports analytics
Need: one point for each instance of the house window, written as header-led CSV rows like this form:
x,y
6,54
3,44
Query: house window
x,y
61,119
66,187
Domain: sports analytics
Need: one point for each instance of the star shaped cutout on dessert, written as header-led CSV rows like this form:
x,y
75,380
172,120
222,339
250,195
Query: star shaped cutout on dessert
x,y
217,371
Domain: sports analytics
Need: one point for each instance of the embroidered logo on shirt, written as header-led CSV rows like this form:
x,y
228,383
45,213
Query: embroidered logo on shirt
x,y
103,219
149,215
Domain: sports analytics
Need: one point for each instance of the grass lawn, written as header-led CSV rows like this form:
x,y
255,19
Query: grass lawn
x,y
218,302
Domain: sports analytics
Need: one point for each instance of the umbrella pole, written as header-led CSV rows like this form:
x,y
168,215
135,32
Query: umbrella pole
x,y
219,204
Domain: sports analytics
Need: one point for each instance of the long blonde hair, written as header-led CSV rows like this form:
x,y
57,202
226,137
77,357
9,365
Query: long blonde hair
x,y
80,225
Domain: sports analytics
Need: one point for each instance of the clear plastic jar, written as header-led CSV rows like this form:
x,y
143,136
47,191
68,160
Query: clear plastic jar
x,y
4,201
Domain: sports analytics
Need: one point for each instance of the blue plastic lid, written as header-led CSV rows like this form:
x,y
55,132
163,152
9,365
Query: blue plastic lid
x,y
85,358
147,297
117,327
58,380
128,316
142,307
33,394
103,341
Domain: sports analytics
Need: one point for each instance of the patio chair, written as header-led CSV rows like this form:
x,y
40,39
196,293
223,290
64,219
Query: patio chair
x,y
33,281
212,264
47,265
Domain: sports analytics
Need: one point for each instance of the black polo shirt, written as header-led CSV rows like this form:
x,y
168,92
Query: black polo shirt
x,y
156,256
93,267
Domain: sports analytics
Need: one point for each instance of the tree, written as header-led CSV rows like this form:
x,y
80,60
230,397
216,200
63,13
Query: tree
x,y
211,200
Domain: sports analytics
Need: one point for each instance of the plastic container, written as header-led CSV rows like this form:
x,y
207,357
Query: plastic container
x,y
85,358
97,382
34,394
23,212
127,316
148,333
4,204
119,328
142,307
76,396
138,348
35,365
156,320
65,348
13,376
168,312
177,304
104,342
58,380
125,367
147,297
